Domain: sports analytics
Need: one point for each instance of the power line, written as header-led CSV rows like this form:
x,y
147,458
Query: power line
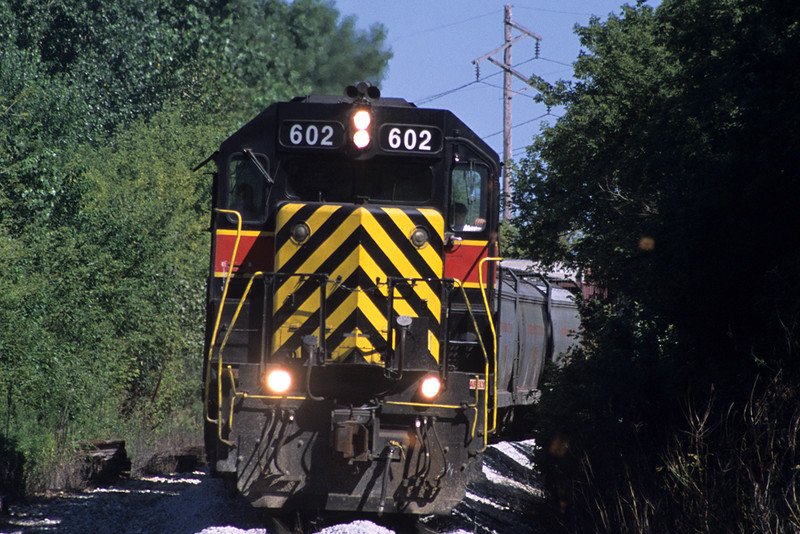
x,y
555,11
516,93
556,62
444,26
437,96
523,123
483,79
444,93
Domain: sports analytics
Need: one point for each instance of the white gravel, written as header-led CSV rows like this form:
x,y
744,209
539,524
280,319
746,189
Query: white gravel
x,y
357,527
178,504
195,503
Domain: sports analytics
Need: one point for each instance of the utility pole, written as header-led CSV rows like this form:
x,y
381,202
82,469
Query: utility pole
x,y
507,115
508,71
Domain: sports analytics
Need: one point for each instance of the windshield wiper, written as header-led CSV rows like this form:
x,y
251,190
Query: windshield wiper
x,y
258,165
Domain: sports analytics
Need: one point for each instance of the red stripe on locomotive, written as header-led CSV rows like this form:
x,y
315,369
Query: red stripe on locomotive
x,y
462,260
255,252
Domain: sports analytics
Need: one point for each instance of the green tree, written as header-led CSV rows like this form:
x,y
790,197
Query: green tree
x,y
664,180
75,72
104,110
144,221
672,180
273,50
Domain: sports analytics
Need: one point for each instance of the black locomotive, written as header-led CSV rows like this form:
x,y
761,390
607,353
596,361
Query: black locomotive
x,y
363,344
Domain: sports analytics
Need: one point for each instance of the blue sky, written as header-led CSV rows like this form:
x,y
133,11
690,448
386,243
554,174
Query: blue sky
x,y
435,41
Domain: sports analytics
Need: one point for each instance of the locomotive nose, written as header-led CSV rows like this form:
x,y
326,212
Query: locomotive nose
x,y
355,271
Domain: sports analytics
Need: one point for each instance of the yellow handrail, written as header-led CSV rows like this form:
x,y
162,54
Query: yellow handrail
x,y
219,354
244,395
494,335
207,384
473,406
485,359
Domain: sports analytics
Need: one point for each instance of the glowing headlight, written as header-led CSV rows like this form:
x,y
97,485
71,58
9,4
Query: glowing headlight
x,y
361,119
279,380
361,122
361,138
431,387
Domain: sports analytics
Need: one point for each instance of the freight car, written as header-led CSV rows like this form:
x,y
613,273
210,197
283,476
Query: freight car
x,y
363,344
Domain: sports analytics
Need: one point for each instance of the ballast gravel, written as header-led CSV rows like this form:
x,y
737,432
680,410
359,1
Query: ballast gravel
x,y
195,503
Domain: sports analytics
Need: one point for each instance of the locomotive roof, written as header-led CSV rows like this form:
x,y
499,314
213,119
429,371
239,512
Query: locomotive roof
x,y
343,99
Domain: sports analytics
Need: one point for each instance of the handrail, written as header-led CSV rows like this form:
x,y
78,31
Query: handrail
x,y
494,334
427,405
485,359
220,363
245,395
550,341
207,384
219,355
473,406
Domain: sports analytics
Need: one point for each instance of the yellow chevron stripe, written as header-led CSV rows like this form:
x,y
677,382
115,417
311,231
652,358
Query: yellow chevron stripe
x,y
400,305
357,300
407,226
316,220
403,265
374,272
328,247
436,220
308,308
360,257
363,344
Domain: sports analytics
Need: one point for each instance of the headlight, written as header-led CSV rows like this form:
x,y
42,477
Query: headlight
x,y
279,380
361,122
300,233
361,138
419,237
361,119
431,387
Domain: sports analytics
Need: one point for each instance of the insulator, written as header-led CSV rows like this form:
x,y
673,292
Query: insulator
x,y
537,49
477,72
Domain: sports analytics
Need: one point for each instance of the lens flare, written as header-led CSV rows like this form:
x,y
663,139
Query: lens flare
x,y
361,119
279,380
431,387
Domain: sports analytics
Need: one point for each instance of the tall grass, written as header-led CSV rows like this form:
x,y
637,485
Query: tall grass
x,y
729,467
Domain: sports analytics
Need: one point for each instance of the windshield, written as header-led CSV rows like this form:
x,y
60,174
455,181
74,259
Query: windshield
x,y
248,185
341,180
468,198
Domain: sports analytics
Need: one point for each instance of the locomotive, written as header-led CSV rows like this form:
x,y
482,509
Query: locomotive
x,y
364,342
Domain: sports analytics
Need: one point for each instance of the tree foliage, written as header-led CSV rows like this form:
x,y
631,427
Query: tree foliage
x,y
105,108
77,72
671,180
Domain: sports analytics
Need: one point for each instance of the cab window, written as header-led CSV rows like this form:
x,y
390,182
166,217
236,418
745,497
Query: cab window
x,y
468,198
248,185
